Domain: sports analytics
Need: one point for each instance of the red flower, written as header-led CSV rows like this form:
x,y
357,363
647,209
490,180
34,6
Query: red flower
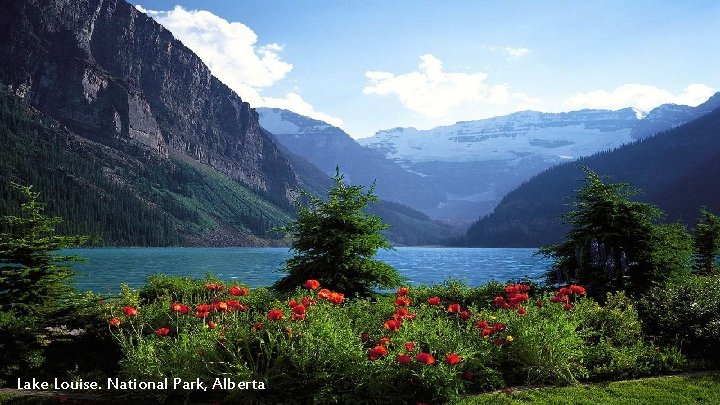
x,y
425,358
274,315
307,301
433,301
486,332
203,308
238,291
298,317
512,289
214,287
454,308
465,315
299,309
539,303
258,325
481,325
162,331
403,358
500,302
522,311
211,324
384,341
336,298
565,291
292,303
579,290
453,358
377,352
324,294
393,325
403,291
410,346
221,306
202,314
499,327
235,305
403,313
312,284
130,311
402,302
114,322
567,307
180,308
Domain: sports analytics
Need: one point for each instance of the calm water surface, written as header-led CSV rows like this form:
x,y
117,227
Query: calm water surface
x,y
107,268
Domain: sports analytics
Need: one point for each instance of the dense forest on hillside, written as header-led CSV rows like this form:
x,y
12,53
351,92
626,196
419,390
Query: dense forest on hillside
x,y
677,170
129,196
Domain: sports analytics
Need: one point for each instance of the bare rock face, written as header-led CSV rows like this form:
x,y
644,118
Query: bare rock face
x,y
113,75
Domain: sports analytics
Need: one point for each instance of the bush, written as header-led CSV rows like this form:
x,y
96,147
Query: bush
x,y
685,313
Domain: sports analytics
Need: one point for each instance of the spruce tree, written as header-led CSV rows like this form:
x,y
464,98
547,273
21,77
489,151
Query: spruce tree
x,y
707,242
34,279
335,241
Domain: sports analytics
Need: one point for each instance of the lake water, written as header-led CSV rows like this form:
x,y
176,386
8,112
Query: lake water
x,y
107,268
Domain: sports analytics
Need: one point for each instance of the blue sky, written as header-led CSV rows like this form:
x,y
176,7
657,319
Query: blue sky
x,y
372,65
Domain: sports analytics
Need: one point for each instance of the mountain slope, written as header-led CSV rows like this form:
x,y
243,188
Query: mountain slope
x,y
114,76
678,170
328,147
138,200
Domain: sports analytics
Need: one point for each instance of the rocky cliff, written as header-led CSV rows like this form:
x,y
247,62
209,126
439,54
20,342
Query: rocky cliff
x,y
115,76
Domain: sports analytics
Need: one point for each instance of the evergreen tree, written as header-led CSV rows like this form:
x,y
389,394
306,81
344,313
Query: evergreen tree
x,y
615,244
707,242
335,242
34,282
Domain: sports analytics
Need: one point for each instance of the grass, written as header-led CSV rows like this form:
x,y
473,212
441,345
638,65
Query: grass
x,y
689,389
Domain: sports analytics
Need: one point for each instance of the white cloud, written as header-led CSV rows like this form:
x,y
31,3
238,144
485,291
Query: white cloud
x,y
231,51
516,53
435,93
640,96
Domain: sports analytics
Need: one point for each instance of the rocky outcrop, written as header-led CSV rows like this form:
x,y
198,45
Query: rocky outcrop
x,y
115,76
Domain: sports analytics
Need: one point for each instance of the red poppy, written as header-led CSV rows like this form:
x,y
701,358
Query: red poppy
x,y
579,290
312,284
393,325
565,291
214,287
211,324
307,301
336,298
402,291
130,311
384,341
425,358
465,315
114,322
203,308
274,315
512,289
258,325
377,352
221,306
410,346
180,308
292,303
522,311
299,309
238,291
324,294
500,302
297,317
486,332
481,324
403,358
453,358
402,302
433,301
162,331
454,308
403,313
539,303
202,314
567,307
499,327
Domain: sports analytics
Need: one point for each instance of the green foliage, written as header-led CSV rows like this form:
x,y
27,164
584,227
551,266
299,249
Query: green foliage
x,y
707,242
614,244
32,283
685,312
335,242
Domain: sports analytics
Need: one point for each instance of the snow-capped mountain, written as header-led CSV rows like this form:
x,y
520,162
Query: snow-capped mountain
x,y
510,138
460,172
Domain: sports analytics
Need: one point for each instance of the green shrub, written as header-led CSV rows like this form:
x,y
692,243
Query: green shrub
x,y
685,313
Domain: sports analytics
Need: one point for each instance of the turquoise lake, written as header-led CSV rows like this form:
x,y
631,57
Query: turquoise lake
x,y
107,268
